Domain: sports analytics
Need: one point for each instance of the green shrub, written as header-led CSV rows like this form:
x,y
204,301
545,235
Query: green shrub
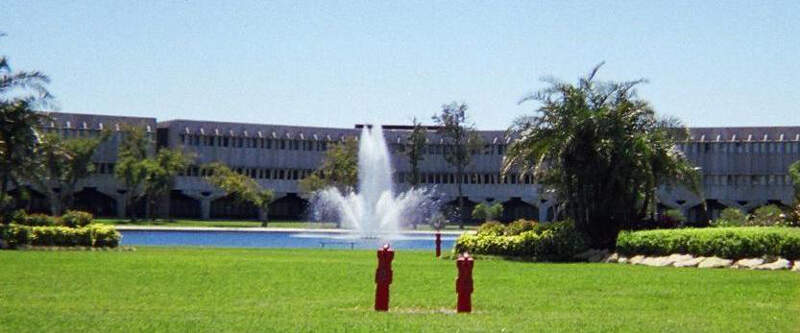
x,y
556,241
485,212
730,217
671,218
95,235
76,219
491,228
519,226
767,216
37,220
732,243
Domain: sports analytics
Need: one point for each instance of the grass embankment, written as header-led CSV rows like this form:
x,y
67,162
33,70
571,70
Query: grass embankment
x,y
243,224
184,289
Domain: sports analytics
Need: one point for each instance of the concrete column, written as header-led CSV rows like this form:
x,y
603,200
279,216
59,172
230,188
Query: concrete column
x,y
205,207
543,211
121,205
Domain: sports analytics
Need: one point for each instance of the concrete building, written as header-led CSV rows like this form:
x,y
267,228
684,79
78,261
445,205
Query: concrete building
x,y
743,167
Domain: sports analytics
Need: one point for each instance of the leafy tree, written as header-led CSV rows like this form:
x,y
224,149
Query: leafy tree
x,y
603,150
62,163
486,212
415,150
241,187
22,94
132,164
461,141
339,169
161,171
794,173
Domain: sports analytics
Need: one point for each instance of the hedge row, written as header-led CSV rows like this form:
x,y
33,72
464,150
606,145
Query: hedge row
x,y
95,235
71,218
557,241
731,243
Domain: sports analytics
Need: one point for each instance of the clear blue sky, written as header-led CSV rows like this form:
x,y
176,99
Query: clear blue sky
x,y
329,63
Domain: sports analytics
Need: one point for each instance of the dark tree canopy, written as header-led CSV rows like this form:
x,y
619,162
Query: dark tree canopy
x,y
22,95
603,150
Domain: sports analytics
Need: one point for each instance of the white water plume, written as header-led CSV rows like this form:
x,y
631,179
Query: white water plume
x,y
374,210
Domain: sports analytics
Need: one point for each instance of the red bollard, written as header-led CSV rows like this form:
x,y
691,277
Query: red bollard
x,y
438,244
383,278
464,282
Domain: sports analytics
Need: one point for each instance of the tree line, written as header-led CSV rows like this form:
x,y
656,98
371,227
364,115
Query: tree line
x,y
599,147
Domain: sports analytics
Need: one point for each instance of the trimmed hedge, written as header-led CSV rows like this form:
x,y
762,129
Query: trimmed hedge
x,y
76,219
36,220
95,235
731,243
556,241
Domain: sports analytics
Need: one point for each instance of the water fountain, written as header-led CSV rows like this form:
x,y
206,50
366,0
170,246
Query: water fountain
x,y
374,210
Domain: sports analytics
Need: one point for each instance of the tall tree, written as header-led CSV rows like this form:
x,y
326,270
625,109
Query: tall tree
x,y
242,188
132,165
602,149
161,171
461,141
794,173
22,94
339,169
415,150
62,163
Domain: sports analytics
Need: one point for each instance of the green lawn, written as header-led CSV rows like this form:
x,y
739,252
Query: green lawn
x,y
244,224
219,223
195,289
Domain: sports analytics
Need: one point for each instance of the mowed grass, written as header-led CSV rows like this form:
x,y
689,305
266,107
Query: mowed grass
x,y
197,289
246,224
218,223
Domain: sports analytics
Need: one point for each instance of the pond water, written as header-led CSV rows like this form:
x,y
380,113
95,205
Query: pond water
x,y
271,239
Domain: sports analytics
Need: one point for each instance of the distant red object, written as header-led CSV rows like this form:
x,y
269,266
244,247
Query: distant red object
x,y
464,285
438,244
383,278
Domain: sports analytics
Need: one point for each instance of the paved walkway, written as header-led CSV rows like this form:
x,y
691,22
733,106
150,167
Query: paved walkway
x,y
257,229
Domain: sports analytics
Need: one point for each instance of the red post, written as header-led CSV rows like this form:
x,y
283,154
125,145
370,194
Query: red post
x,y
464,282
383,278
438,244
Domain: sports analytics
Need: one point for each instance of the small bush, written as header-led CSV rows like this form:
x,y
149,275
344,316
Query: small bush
x,y
732,243
730,217
37,220
76,219
555,241
671,218
95,235
491,228
519,226
485,212
767,216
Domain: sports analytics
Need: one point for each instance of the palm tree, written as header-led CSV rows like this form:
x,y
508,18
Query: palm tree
x,y
21,95
602,149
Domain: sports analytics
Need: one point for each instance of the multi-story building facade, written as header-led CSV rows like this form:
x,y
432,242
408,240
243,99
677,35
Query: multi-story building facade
x,y
743,167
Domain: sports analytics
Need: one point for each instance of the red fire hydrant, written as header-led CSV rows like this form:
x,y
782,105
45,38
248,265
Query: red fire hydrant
x,y
464,282
383,278
438,244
